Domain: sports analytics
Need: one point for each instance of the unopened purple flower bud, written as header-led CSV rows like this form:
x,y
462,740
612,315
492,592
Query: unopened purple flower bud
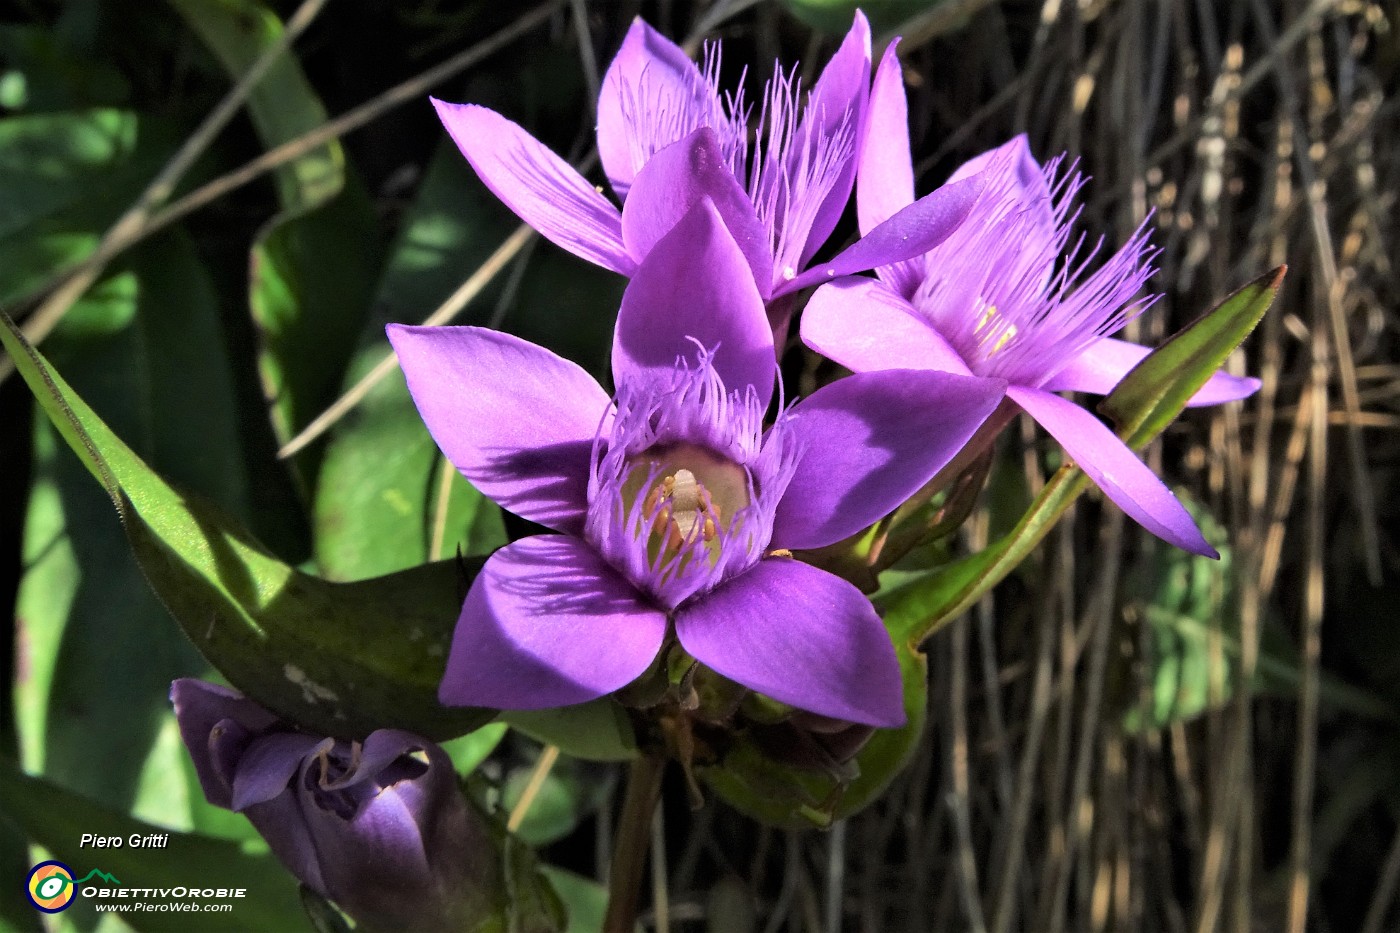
x,y
378,827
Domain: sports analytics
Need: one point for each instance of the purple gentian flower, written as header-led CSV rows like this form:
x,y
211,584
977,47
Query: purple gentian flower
x,y
379,827
1000,298
667,137
676,511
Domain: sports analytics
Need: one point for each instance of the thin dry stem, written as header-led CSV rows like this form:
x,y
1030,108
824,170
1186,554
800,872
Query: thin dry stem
x,y
114,245
134,222
543,766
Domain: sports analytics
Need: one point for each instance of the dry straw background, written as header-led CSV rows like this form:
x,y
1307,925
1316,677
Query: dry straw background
x,y
1261,133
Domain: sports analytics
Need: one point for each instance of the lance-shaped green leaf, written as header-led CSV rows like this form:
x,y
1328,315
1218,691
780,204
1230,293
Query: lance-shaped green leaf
x,y
145,345
1155,391
386,499
282,105
750,779
1185,602
313,266
337,658
1190,607
1143,404
57,819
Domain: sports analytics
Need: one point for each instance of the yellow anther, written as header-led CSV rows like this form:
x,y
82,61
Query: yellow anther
x,y
988,317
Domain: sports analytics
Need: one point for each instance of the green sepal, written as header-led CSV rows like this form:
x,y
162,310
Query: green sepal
x,y
778,794
337,658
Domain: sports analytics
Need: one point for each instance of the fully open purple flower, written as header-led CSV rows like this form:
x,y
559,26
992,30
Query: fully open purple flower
x,y
674,505
379,827
1005,296
667,137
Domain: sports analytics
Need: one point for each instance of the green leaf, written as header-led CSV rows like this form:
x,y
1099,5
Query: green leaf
x,y
1143,404
595,731
43,159
778,794
529,902
469,751
1156,390
337,658
44,72
379,499
313,266
283,105
66,177
585,899
1189,604
310,281
147,344
56,819
1185,600
570,793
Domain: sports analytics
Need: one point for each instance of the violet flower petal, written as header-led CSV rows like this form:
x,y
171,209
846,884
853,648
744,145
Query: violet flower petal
x,y
1104,364
885,185
381,749
838,100
517,420
649,76
913,231
673,182
199,707
801,636
283,822
695,285
1029,178
382,840
1012,170
885,180
269,764
548,623
412,834
869,442
1114,468
863,325
543,190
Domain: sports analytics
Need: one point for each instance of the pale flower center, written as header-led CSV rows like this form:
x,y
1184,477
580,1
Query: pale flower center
x,y
689,494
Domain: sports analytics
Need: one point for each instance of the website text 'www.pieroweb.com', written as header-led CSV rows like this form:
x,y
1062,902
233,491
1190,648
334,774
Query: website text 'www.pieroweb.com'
x,y
54,886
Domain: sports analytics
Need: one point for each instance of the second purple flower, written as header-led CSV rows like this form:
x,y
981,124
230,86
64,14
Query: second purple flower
x,y
1007,296
668,136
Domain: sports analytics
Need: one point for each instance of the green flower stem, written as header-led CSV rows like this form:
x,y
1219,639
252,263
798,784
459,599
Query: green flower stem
x,y
630,845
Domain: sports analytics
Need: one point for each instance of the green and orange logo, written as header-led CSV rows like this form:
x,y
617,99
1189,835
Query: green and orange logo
x,y
51,887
